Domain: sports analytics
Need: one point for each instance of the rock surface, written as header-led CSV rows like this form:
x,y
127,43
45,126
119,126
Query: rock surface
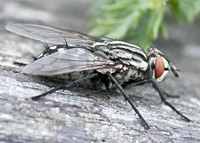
x,y
81,115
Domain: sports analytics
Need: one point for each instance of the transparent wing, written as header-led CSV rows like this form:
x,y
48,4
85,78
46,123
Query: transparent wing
x,y
67,61
50,34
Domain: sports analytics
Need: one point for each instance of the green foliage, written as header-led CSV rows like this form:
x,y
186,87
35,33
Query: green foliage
x,y
138,21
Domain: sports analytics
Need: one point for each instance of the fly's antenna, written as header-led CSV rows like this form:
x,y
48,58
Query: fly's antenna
x,y
174,70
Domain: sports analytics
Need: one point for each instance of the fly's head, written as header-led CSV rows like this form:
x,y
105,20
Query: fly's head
x,y
159,65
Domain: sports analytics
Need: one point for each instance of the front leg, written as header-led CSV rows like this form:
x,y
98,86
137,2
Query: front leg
x,y
144,81
161,94
170,95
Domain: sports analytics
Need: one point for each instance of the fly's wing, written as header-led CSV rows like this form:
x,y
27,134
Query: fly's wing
x,y
67,61
51,34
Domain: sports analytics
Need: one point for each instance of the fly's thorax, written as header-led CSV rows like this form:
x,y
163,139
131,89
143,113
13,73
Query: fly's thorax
x,y
124,53
158,64
131,58
114,48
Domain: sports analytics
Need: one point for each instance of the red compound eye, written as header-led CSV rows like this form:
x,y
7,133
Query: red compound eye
x,y
159,67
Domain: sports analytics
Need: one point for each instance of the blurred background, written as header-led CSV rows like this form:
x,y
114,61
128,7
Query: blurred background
x,y
172,26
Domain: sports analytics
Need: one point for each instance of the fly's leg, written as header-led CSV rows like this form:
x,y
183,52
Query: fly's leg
x,y
127,98
150,80
76,82
161,94
170,95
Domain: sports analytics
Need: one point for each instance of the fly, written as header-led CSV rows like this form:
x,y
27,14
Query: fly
x,y
112,63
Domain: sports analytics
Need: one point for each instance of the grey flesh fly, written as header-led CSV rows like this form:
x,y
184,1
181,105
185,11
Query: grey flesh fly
x,y
113,62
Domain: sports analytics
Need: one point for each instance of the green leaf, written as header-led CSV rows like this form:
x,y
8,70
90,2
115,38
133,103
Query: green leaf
x,y
154,4
99,31
120,31
185,9
163,30
138,21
